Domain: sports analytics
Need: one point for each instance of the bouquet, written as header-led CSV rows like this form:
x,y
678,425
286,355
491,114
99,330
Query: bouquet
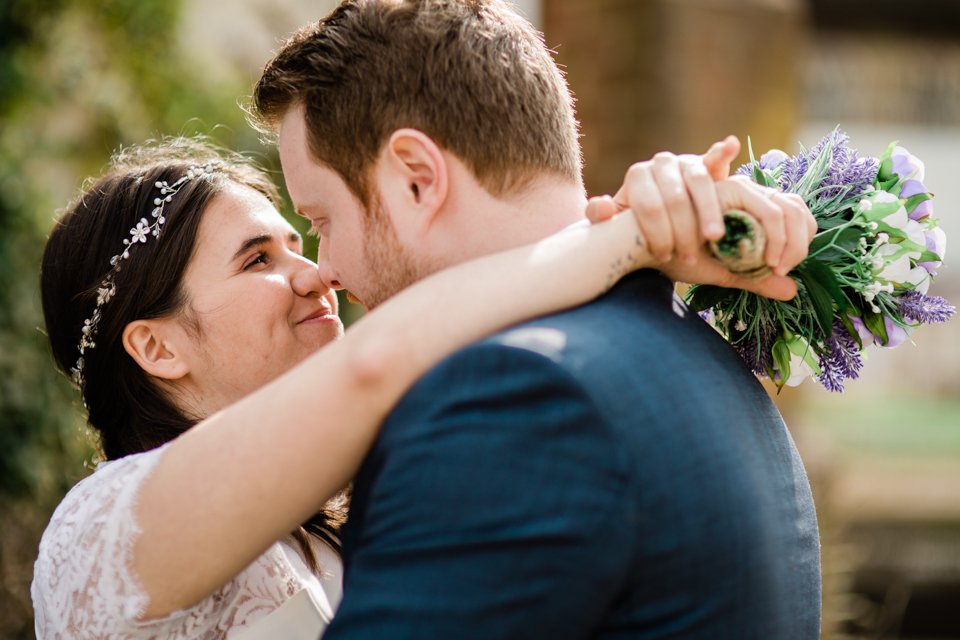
x,y
865,280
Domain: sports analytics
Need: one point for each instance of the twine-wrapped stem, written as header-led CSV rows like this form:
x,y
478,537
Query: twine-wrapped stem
x,y
742,246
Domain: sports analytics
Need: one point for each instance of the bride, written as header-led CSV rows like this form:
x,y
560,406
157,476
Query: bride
x,y
179,300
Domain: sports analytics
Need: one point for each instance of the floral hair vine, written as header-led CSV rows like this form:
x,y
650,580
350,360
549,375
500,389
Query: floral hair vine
x,y
139,234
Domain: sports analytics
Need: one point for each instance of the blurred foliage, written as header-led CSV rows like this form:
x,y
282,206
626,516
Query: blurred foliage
x,y
77,80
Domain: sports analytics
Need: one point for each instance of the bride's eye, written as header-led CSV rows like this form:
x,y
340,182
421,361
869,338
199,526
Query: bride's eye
x,y
259,258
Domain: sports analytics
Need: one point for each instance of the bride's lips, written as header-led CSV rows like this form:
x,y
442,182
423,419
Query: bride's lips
x,y
323,314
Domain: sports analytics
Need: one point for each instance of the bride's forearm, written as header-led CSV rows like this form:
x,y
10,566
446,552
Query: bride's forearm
x,y
236,482
483,295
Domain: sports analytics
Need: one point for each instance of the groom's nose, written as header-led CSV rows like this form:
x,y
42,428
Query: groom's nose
x,y
328,275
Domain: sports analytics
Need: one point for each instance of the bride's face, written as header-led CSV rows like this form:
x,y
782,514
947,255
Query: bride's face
x,y
255,305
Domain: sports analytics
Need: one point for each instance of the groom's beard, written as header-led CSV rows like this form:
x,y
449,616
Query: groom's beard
x,y
390,266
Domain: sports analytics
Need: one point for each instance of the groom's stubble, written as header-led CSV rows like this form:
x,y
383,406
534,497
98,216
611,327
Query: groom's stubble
x,y
394,266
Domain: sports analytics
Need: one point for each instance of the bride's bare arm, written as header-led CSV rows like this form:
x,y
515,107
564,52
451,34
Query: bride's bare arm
x,y
238,481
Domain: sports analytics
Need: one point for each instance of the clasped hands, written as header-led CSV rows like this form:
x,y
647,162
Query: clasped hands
x,y
678,201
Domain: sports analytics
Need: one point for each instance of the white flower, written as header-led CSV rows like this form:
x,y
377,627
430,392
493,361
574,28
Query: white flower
x,y
139,233
104,294
915,234
895,270
919,278
898,219
799,370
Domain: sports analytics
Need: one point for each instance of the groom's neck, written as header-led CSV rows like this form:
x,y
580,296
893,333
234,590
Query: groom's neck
x,y
485,224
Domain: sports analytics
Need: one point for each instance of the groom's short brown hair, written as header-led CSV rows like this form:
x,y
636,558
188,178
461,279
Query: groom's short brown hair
x,y
471,74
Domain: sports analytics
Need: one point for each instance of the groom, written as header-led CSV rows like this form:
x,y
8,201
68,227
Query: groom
x,y
613,471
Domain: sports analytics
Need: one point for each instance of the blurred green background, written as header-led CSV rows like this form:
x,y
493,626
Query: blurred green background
x,y
79,78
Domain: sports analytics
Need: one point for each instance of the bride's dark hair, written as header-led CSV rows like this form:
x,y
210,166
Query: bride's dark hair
x,y
128,410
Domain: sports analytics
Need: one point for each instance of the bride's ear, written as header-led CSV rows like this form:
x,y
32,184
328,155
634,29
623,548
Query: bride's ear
x,y
155,346
416,173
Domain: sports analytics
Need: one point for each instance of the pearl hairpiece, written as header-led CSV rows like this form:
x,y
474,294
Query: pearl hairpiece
x,y
139,234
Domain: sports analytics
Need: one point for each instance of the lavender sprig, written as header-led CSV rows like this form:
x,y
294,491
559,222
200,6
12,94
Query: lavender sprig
x,y
917,307
865,279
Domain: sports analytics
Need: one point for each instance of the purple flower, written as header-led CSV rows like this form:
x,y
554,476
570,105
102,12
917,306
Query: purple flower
x,y
896,335
936,241
841,360
911,188
847,170
906,165
768,162
846,167
917,307
866,337
772,159
755,349
792,170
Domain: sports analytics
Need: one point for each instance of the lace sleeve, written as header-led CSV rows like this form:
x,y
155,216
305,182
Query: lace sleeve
x,y
83,586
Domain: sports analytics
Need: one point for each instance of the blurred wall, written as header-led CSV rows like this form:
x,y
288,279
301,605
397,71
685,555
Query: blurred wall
x,y
675,74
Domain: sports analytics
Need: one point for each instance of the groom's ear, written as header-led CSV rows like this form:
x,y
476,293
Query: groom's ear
x,y
416,174
155,345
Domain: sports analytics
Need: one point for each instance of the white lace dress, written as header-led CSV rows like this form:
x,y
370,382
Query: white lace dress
x,y
83,586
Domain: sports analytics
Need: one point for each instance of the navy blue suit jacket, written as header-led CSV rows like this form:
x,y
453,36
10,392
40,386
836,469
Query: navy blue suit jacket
x,y
613,471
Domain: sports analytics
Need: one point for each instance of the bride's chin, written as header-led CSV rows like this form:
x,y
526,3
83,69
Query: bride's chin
x,y
333,333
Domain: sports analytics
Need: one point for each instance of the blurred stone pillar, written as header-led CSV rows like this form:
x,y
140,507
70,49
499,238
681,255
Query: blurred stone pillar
x,y
676,74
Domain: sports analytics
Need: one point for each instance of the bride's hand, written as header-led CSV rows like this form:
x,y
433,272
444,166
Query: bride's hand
x,y
789,227
663,191
678,207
